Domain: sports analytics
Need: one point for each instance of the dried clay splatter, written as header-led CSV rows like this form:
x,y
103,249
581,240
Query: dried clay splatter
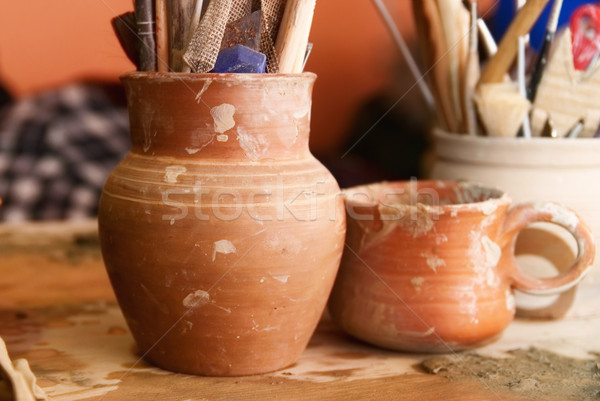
x,y
172,173
223,117
534,373
253,146
223,246
196,298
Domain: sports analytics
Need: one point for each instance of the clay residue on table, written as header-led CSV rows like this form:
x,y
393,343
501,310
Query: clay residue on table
x,y
530,372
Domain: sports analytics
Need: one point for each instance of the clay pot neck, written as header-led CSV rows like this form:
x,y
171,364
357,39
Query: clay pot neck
x,y
245,117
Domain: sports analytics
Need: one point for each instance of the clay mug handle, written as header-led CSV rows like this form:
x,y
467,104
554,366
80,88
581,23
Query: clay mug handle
x,y
521,216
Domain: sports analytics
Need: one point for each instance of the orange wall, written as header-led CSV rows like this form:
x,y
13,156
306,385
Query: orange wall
x,y
47,43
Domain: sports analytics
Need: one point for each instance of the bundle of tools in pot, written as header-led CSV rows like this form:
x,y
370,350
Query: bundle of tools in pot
x,y
556,94
219,36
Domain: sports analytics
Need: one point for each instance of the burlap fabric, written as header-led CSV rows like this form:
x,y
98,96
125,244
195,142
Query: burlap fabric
x,y
202,51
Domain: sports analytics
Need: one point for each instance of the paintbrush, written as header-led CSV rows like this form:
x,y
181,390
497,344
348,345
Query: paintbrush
x,y
125,29
144,16
180,14
162,36
292,38
412,65
508,48
542,60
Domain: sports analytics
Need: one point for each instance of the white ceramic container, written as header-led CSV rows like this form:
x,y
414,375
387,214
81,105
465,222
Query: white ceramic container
x,y
538,169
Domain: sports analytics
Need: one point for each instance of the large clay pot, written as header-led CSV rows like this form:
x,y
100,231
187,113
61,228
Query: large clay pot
x,y
221,233
560,170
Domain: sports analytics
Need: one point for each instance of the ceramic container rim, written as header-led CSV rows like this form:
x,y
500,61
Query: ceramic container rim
x,y
497,196
517,152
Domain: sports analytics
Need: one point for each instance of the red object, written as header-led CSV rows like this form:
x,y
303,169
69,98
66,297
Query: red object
x,y
585,28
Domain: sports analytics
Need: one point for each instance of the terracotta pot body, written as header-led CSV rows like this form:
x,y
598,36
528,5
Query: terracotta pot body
x,y
221,233
429,266
564,171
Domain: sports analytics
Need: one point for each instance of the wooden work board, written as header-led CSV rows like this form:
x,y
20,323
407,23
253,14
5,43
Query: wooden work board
x,y
58,311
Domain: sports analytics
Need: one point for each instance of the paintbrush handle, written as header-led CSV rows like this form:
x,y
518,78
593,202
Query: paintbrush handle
x,y
508,48
162,36
292,39
144,16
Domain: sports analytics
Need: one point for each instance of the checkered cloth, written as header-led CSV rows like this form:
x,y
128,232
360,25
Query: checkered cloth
x,y
56,150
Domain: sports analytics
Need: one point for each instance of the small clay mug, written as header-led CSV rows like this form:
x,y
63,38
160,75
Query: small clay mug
x,y
429,266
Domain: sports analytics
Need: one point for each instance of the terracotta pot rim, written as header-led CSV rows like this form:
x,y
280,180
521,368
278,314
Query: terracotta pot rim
x,y
496,195
191,77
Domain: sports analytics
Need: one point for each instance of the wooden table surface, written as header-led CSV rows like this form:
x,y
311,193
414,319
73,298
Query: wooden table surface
x,y
58,311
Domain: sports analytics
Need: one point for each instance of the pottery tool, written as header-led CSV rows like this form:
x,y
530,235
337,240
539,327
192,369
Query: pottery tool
x,y
180,14
162,35
410,61
292,39
501,108
565,93
470,75
307,55
487,38
125,29
456,25
549,131
576,130
508,48
523,41
144,16
433,50
521,67
542,59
